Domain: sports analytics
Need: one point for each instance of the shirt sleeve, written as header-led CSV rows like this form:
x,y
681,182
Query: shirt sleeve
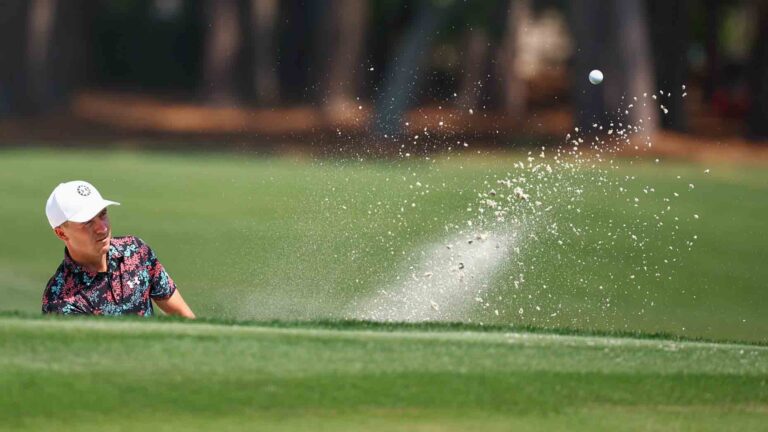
x,y
161,286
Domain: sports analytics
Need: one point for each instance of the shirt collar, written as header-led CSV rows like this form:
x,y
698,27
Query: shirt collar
x,y
115,252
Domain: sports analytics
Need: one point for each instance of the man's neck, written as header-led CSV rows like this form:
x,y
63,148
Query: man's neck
x,y
93,264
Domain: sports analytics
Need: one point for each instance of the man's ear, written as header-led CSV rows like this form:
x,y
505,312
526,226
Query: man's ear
x,y
60,233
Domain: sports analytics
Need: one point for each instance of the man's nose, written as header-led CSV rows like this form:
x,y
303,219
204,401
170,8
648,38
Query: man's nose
x,y
102,225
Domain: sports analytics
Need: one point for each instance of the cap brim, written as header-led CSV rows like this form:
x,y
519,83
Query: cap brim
x,y
91,211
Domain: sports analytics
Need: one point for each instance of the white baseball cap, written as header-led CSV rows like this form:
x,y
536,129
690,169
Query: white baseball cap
x,y
76,201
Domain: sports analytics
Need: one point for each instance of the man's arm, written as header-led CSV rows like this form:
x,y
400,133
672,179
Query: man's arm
x,y
175,305
161,285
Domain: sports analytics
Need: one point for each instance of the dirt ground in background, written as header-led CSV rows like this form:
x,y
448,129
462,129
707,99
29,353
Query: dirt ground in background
x,y
130,121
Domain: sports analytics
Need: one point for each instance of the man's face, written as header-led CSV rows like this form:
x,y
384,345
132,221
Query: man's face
x,y
87,238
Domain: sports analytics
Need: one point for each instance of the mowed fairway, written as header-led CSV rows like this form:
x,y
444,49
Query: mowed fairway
x,y
105,375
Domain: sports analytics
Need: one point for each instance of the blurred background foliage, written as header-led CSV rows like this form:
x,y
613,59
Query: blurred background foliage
x,y
363,65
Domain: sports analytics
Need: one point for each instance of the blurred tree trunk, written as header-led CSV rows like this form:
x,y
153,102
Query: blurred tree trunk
x,y
613,36
266,83
636,59
13,20
670,35
222,48
476,53
41,54
409,63
515,92
343,31
758,80
40,32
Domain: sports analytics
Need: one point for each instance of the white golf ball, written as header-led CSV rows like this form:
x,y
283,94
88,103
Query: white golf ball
x,y
596,77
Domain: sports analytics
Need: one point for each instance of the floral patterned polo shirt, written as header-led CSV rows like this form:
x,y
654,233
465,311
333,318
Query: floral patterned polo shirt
x,y
134,276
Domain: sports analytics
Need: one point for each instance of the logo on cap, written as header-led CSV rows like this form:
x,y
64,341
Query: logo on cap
x,y
83,190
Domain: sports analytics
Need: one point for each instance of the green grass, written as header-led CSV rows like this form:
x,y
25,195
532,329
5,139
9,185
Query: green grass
x,y
266,238
95,374
259,239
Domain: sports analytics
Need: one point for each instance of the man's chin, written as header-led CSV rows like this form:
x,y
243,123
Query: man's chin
x,y
103,245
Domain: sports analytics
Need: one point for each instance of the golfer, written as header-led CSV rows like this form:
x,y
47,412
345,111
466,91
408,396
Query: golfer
x,y
102,275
